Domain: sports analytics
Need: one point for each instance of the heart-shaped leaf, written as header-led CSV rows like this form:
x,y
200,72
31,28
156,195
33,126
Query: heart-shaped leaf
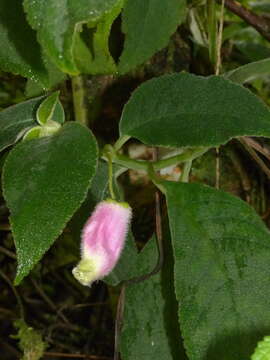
x,y
44,182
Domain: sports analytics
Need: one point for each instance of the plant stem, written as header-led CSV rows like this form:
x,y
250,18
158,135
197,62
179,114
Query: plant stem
x,y
78,92
219,40
260,23
186,171
127,162
120,142
110,169
212,30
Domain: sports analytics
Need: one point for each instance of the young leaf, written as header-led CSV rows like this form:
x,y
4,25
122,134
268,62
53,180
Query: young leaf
x,y
262,351
222,251
187,110
32,133
46,108
16,119
148,26
249,72
44,182
150,329
56,26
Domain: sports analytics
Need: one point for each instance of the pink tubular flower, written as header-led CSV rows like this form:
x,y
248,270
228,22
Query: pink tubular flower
x,y
103,238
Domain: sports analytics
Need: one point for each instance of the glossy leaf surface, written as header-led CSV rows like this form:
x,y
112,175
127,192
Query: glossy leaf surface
x,y
57,24
45,181
187,110
222,251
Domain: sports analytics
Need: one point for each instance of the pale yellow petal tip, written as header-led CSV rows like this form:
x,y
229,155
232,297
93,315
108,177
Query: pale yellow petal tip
x,y
85,272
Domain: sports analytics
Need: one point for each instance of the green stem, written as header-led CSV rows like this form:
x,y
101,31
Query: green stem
x,y
120,142
212,30
186,171
110,169
127,162
78,92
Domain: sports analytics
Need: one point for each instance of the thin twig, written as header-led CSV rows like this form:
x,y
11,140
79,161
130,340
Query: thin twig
x,y
219,39
5,227
256,157
241,170
119,321
15,292
256,21
257,146
80,306
49,301
8,252
78,356
10,349
217,70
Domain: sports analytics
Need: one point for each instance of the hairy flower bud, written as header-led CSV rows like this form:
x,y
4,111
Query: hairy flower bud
x,y
103,238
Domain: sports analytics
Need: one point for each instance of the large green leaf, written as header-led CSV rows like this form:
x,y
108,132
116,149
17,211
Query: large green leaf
x,y
125,267
249,72
16,119
20,52
44,181
148,26
150,328
222,274
57,24
187,110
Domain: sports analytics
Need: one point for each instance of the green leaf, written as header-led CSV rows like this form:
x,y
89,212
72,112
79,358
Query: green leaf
x,y
253,51
58,114
32,133
46,108
249,72
57,25
187,110
150,329
20,52
222,274
92,45
44,181
126,268
262,351
148,26
55,77
16,119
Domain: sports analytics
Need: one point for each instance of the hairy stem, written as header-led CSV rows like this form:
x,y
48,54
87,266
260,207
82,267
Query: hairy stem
x,y
78,92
